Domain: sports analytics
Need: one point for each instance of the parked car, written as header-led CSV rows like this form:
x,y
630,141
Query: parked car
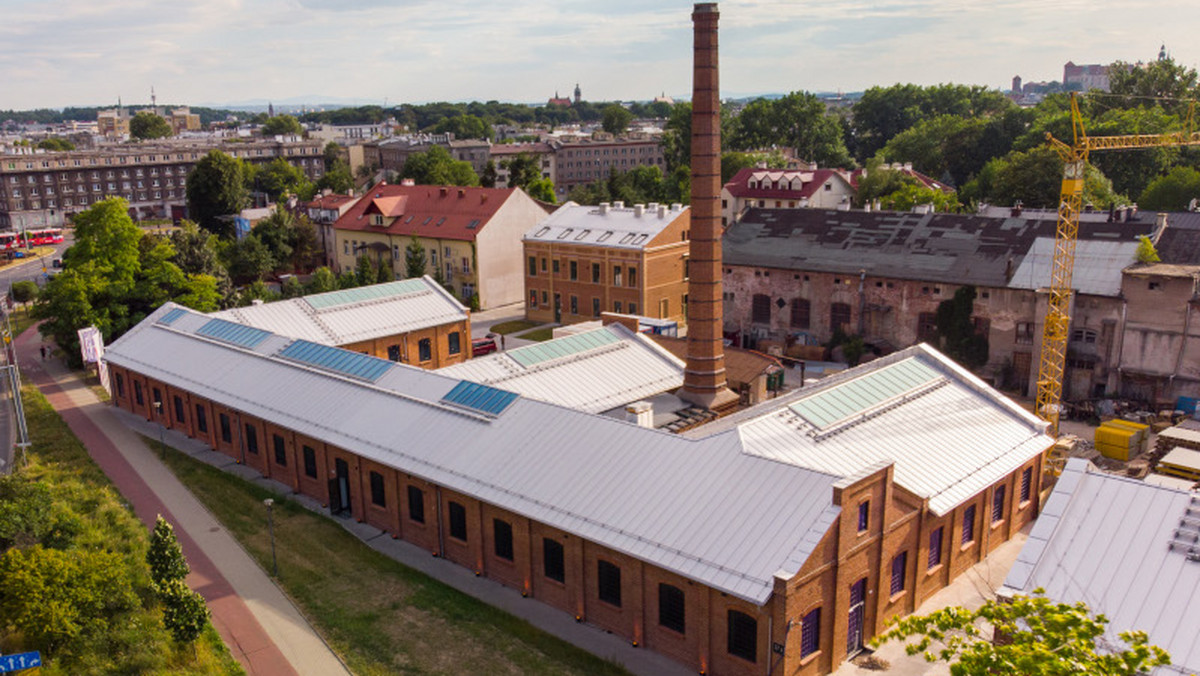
x,y
482,346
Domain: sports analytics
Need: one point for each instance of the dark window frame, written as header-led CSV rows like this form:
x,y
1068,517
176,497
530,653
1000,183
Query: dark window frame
x,y
201,419
416,504
180,409
672,608
310,461
864,516
968,526
801,314
760,309
457,520
840,315
1026,484
454,342
998,498
502,540
553,560
226,428
378,489
280,446
936,537
251,433
608,582
742,636
899,573
810,633
424,349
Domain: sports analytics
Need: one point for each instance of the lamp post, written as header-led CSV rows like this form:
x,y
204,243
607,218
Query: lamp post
x,y
270,503
162,444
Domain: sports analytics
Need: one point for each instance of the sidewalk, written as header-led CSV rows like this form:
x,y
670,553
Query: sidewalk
x,y
263,629
544,617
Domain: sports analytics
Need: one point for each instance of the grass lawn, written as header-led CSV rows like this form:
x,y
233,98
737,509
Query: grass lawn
x,y
515,326
379,615
79,490
539,334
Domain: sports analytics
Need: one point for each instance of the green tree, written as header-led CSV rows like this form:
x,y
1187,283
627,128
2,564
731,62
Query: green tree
x,y
437,167
542,189
184,613
55,143
24,291
278,178
914,194
1176,191
883,112
322,281
25,511
1146,253
165,556
797,121
957,334
1034,177
488,178
677,136
337,178
733,162
615,119
149,126
1041,638
53,596
203,293
464,127
217,187
331,153
282,125
414,259
364,271
1158,83
250,259
523,169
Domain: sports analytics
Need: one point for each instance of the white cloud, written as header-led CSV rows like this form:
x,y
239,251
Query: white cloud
x,y
64,52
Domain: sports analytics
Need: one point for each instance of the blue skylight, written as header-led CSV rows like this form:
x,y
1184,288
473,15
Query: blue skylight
x,y
337,360
233,333
482,398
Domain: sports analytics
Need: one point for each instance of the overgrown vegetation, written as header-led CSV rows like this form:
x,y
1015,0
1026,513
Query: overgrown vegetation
x,y
74,583
385,618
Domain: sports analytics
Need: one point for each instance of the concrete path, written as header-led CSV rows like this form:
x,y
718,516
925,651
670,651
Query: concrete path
x,y
551,620
263,629
482,323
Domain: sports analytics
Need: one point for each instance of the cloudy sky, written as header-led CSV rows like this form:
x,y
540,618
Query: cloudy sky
x,y
55,53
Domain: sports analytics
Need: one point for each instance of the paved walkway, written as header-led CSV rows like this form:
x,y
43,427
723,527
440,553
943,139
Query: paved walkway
x,y
551,620
263,629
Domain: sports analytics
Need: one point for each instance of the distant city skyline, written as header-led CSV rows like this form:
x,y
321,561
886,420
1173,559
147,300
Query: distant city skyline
x,y
56,53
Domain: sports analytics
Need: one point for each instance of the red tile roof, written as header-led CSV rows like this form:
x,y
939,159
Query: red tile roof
x,y
808,181
446,212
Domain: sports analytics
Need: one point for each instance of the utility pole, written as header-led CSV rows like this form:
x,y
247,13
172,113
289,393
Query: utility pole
x,y
14,382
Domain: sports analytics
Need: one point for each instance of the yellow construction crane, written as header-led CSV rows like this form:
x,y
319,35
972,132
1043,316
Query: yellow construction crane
x,y
1058,318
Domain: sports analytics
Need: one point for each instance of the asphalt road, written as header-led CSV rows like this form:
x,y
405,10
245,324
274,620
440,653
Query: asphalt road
x,y
31,268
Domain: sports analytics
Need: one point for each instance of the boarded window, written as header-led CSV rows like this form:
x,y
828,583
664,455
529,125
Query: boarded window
x,y
927,327
839,317
800,313
760,309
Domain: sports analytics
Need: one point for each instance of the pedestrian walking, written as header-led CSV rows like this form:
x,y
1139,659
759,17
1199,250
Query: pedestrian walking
x,y
43,353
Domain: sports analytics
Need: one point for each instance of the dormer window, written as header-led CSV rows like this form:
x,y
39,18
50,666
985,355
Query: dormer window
x,y
377,219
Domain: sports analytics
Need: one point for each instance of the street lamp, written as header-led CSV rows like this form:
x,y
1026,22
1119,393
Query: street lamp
x,y
162,444
270,503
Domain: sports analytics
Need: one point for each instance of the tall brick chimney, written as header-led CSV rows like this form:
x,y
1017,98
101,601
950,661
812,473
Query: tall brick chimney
x,y
704,379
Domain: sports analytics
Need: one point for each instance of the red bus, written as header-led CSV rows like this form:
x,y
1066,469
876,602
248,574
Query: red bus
x,y
8,241
42,237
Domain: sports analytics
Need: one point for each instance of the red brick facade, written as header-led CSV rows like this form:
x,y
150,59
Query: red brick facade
x,y
564,571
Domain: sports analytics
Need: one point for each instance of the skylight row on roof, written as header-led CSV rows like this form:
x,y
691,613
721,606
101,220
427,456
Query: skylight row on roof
x,y
365,293
233,333
835,404
336,359
484,399
562,347
171,317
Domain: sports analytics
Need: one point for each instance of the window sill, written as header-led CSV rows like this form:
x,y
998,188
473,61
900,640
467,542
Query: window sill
x,y
1023,505
805,660
997,524
934,570
897,596
966,546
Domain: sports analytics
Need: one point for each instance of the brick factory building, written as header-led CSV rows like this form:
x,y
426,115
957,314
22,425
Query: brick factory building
x,y
806,512
583,260
413,321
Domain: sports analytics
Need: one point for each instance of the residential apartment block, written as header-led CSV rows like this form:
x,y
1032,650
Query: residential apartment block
x,y
502,153
584,260
584,161
471,236
42,189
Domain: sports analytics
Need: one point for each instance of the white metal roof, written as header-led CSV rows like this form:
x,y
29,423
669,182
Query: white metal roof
x,y
1102,539
1098,266
352,315
593,371
699,508
731,509
949,434
612,226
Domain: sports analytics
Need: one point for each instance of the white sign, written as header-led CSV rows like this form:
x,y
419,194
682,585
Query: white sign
x,y
91,344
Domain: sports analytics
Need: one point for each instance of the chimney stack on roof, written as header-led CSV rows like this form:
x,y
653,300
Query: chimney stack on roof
x,y
639,209
704,377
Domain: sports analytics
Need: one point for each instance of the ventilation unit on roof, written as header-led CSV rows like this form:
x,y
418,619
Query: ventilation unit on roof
x,y
1187,535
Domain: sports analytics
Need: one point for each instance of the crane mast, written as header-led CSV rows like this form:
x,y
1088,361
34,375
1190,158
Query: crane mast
x,y
1058,308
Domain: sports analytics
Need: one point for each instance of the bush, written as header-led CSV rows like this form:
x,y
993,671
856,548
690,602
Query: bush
x,y
24,291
